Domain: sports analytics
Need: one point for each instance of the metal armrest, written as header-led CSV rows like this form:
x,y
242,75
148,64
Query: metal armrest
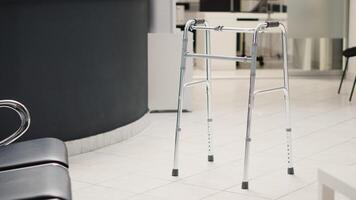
x,y
24,116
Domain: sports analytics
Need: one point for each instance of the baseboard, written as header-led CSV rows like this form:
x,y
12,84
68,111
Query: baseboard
x,y
92,143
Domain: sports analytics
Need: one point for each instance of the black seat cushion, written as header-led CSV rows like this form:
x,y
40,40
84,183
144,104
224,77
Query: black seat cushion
x,y
39,182
350,52
33,152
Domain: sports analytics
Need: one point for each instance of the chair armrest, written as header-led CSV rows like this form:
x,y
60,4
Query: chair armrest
x,y
24,116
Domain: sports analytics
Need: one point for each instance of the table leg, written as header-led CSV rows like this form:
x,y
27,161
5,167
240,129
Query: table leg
x,y
326,193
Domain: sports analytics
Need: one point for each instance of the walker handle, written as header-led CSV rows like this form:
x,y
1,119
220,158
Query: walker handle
x,y
272,24
199,21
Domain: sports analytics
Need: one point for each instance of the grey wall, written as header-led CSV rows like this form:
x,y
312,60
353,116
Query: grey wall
x,y
316,18
162,16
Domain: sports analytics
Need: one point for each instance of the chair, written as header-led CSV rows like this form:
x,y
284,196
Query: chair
x,y
348,53
32,152
40,182
35,169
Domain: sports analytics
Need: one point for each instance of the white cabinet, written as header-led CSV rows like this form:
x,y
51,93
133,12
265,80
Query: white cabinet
x,y
164,55
162,16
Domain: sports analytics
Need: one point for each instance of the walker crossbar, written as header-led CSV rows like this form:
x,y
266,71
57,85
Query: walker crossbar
x,y
270,90
189,84
232,58
224,28
202,25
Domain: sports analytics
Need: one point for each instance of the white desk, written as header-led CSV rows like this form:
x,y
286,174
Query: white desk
x,y
340,179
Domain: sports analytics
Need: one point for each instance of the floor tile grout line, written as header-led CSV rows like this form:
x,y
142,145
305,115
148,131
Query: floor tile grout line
x,y
177,182
262,198
310,184
326,149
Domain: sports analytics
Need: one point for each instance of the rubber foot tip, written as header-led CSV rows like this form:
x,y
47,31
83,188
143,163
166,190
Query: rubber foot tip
x,y
291,171
244,185
211,158
175,172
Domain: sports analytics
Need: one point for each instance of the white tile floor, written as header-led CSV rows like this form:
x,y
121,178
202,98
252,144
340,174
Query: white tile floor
x,y
324,130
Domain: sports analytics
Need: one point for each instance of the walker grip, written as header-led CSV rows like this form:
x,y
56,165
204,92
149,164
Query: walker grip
x,y
199,21
272,24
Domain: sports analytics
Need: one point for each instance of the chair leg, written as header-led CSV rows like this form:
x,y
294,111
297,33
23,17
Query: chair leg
x,y
352,91
343,75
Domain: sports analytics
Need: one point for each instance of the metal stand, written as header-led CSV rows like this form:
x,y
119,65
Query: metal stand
x,y
343,77
202,25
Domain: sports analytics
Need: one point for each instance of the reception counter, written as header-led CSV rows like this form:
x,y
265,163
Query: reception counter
x,y
80,66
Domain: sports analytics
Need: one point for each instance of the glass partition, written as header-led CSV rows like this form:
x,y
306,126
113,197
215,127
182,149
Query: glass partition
x,y
318,31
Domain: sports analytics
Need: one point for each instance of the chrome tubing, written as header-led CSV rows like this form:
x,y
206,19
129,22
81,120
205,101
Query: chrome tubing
x,y
252,94
224,28
182,86
290,169
32,167
175,171
22,111
208,56
251,101
208,95
283,89
190,84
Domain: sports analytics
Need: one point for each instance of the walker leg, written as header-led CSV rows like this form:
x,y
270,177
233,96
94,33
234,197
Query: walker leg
x,y
208,97
251,100
175,171
178,126
209,122
290,170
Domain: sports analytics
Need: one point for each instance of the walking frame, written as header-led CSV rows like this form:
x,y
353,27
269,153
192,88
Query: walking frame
x,y
202,25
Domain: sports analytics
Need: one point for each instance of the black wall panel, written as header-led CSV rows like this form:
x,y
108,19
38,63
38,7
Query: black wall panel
x,y
80,66
219,5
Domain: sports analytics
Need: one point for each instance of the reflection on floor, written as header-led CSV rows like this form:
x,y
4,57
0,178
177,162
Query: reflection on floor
x,y
324,125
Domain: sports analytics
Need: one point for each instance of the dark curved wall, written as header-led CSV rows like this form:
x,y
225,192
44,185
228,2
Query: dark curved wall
x,y
80,66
